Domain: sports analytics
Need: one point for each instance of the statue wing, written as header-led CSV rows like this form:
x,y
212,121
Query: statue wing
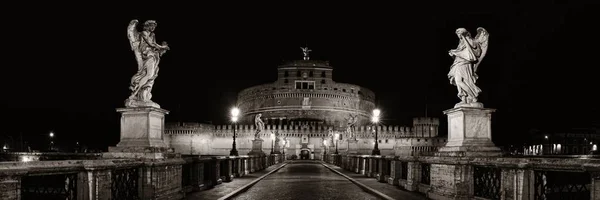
x,y
482,40
134,40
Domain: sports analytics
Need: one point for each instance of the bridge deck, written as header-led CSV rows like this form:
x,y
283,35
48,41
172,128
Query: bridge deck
x,y
303,180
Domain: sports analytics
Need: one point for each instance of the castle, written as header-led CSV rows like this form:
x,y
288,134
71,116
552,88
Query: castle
x,y
302,111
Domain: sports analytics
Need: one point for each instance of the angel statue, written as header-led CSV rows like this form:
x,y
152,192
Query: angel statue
x,y
351,125
260,125
305,51
147,54
467,57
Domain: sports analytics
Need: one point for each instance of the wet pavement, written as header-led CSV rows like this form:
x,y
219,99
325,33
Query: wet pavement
x,y
227,187
304,180
390,190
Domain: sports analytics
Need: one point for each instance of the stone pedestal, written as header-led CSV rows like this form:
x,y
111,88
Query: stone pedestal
x,y
276,148
142,132
257,147
469,133
352,147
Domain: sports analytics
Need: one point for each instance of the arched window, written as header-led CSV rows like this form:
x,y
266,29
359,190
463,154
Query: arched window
x,y
286,74
310,74
323,74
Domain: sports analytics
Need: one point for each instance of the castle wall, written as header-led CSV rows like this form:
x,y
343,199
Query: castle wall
x,y
205,139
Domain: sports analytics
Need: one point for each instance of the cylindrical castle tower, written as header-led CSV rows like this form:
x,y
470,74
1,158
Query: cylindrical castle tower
x,y
306,94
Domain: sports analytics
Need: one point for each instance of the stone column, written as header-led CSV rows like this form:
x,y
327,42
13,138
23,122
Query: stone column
x,y
595,189
413,178
395,172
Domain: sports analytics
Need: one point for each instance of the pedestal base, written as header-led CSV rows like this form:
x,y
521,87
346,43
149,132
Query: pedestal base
x,y
352,147
142,130
469,133
142,127
257,147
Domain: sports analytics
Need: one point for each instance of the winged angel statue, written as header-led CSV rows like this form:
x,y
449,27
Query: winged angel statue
x,y
351,120
147,54
467,57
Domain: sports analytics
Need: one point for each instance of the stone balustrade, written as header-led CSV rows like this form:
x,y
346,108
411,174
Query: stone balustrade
x,y
168,178
481,177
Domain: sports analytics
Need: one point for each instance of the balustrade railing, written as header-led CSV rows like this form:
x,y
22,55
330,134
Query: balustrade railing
x,y
487,182
482,177
49,186
126,179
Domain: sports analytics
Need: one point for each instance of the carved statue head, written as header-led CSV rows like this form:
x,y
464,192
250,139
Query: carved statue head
x,y
150,25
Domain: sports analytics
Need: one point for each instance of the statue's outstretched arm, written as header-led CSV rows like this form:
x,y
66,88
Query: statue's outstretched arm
x,y
146,36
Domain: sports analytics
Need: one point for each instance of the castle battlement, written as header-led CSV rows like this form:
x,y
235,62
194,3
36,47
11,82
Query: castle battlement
x,y
390,131
426,121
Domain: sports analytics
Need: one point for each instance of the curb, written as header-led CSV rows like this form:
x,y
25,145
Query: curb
x,y
247,186
362,186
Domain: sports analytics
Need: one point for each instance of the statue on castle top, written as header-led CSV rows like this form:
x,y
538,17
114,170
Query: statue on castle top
x,y
467,57
260,125
147,54
305,51
350,127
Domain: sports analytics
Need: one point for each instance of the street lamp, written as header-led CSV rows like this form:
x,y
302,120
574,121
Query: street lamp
x,y
337,136
272,143
375,121
325,144
234,117
51,134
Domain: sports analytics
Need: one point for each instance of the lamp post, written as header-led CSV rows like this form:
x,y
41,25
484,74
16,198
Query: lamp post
x,y
272,143
51,134
337,136
234,117
325,144
375,120
284,143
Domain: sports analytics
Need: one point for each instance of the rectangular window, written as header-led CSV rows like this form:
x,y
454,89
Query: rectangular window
x,y
305,85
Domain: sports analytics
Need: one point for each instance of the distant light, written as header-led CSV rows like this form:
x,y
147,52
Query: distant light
x,y
235,112
375,119
337,135
26,159
4,147
234,119
51,134
545,137
594,148
376,112
590,142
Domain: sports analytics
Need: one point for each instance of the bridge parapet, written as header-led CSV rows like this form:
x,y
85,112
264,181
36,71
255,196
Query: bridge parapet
x,y
123,178
482,177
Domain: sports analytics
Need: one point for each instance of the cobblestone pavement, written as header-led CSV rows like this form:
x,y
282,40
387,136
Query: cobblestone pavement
x,y
304,180
226,188
387,189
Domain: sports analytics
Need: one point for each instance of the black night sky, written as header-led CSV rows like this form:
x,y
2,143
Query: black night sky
x,y
66,70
